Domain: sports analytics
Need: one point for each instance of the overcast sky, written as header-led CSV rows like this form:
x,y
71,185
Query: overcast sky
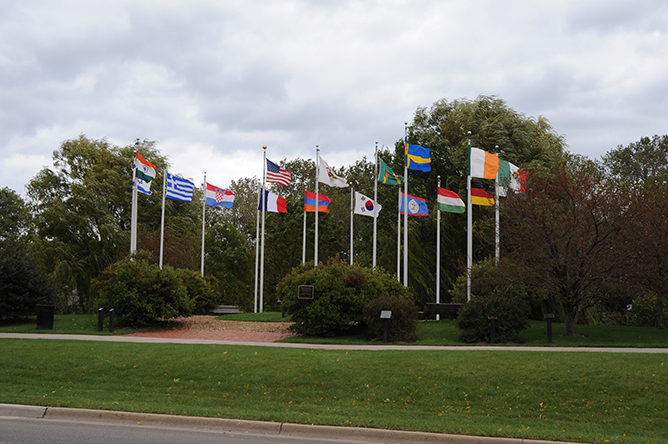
x,y
213,81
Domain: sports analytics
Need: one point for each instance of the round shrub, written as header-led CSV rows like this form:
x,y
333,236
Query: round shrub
x,y
401,325
341,293
203,291
140,293
510,308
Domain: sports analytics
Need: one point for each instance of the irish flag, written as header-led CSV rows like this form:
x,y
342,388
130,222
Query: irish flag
x,y
450,202
482,164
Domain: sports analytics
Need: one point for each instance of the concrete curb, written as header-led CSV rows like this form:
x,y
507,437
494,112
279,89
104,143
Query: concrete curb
x,y
238,426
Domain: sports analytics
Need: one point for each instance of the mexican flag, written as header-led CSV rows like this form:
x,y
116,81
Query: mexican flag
x,y
450,202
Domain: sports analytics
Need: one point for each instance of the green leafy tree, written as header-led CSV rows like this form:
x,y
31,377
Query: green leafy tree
x,y
644,163
14,216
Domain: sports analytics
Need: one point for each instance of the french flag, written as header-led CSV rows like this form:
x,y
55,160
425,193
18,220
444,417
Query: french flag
x,y
273,203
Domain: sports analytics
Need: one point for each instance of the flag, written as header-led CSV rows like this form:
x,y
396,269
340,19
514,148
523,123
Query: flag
x,y
450,202
309,202
276,174
387,176
328,177
218,196
366,206
416,206
179,189
417,157
273,203
482,164
510,176
145,174
479,196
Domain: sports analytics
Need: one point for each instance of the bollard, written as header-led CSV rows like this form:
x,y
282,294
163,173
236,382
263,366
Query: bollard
x,y
100,319
549,318
492,329
385,315
111,320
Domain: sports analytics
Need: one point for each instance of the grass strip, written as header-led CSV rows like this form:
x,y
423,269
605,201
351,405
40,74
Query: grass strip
x,y
580,397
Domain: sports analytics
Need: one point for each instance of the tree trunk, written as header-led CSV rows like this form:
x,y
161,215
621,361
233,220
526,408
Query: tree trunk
x,y
659,313
571,321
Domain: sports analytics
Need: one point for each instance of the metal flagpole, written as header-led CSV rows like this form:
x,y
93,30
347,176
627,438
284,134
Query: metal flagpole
x,y
438,249
133,213
304,240
162,220
399,234
375,202
203,219
469,227
317,202
264,210
352,209
257,249
496,204
405,205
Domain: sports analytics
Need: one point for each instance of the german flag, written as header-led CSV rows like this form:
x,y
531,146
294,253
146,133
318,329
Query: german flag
x,y
479,196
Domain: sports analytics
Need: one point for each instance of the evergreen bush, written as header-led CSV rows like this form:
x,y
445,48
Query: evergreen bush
x,y
341,293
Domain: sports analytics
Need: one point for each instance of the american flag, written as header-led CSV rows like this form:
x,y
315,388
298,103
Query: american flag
x,y
275,174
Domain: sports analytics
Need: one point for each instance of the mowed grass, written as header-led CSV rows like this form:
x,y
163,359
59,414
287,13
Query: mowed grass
x,y
569,396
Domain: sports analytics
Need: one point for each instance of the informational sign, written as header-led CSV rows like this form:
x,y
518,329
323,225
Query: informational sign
x,y
305,292
385,314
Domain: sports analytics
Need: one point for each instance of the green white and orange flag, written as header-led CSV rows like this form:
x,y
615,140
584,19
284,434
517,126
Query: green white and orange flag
x,y
450,202
145,174
482,164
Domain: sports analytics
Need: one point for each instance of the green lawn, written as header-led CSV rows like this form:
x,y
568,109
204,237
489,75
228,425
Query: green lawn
x,y
571,396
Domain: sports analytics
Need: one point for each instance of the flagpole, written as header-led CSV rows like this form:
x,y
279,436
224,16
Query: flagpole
x,y
257,249
352,208
399,233
264,208
438,249
469,227
496,204
317,202
304,240
162,220
203,220
405,204
375,200
133,213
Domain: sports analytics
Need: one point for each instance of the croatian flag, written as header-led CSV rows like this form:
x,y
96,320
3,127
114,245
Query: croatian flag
x,y
218,196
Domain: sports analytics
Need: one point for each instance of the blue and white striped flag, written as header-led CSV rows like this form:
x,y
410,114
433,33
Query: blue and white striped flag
x,y
179,189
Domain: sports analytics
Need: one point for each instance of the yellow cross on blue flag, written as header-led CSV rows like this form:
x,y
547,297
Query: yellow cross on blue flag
x,y
417,157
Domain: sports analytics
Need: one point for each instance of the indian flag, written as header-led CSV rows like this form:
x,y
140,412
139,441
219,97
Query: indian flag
x,y
450,201
145,169
482,164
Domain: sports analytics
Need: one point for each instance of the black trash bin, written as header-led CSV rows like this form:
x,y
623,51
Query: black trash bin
x,y
45,317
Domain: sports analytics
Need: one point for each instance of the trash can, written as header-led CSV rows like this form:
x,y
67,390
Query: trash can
x,y
45,317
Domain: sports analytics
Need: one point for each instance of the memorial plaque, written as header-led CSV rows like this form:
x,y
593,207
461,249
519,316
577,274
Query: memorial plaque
x,y
305,292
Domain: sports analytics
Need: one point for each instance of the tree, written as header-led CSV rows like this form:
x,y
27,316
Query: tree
x,y
643,163
567,231
82,209
13,215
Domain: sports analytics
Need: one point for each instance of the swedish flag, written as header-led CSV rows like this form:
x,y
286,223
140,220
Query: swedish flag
x,y
417,157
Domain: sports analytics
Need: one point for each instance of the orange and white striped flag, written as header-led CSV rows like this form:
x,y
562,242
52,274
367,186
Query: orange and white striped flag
x,y
482,164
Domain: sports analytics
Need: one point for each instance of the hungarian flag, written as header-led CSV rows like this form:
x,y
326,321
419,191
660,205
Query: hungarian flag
x,y
479,196
450,202
309,202
482,164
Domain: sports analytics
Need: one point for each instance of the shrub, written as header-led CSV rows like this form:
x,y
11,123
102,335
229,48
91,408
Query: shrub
x,y
140,293
510,308
644,311
22,284
341,293
401,325
203,291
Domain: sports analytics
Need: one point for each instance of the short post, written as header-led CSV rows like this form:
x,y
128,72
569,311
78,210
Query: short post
x,y
111,320
385,315
100,319
492,329
306,293
549,318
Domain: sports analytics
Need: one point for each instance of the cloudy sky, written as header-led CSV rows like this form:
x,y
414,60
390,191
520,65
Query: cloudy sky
x,y
213,81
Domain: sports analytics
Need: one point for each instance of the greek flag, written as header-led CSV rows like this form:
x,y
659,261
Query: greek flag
x,y
179,189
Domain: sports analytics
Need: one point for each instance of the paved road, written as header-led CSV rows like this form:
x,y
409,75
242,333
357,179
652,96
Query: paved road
x,y
156,340
37,425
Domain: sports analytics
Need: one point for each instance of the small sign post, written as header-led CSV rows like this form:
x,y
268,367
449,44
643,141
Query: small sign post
x,y
385,315
305,293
